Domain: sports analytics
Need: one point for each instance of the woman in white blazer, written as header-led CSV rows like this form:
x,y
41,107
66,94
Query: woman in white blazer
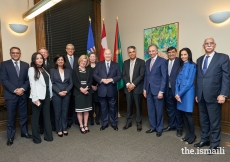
x,y
41,94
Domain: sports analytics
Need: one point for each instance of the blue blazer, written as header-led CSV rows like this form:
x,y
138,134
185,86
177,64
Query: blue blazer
x,y
100,73
156,79
216,80
57,84
11,81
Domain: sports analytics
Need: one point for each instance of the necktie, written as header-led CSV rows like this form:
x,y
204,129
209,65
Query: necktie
x,y
169,71
205,66
107,68
71,61
151,64
17,67
131,72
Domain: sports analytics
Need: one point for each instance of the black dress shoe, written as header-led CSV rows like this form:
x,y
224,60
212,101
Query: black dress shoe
x,y
184,139
190,141
150,131
212,150
103,127
41,131
68,126
10,142
115,128
139,128
127,126
179,132
26,135
53,128
202,144
168,129
158,134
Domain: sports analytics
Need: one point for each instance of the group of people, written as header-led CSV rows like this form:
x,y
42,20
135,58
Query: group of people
x,y
89,86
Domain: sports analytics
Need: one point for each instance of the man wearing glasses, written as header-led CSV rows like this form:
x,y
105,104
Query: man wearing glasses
x,y
14,78
212,89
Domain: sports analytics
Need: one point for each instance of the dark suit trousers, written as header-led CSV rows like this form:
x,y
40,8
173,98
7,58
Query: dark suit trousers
x,y
72,117
175,119
11,106
189,126
210,121
52,117
36,110
61,111
131,98
105,111
155,111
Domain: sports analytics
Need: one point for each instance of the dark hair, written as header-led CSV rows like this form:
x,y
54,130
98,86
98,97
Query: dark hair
x,y
171,48
133,47
56,58
189,56
93,53
33,64
15,48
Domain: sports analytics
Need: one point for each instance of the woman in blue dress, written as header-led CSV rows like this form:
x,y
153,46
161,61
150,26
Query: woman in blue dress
x,y
185,92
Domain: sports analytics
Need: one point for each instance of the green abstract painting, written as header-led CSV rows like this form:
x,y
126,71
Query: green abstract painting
x,y
163,36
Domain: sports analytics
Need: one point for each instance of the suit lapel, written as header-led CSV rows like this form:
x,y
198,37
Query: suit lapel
x,y
111,66
14,69
212,63
154,64
201,61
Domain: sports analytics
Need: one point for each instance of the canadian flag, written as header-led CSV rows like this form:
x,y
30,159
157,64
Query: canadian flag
x,y
104,44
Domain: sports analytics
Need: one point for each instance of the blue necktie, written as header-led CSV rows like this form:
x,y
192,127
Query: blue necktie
x,y
205,66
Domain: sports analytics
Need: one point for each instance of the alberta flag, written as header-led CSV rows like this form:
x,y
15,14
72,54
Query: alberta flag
x,y
117,55
90,42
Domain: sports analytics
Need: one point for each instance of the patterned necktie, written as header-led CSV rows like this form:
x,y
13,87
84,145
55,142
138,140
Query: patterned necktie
x,y
205,66
71,61
17,67
107,68
151,64
131,72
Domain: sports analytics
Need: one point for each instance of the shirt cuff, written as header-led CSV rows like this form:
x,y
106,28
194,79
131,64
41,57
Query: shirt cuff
x,y
127,85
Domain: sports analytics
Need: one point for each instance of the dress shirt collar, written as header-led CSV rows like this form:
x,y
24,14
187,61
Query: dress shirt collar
x,y
16,61
133,61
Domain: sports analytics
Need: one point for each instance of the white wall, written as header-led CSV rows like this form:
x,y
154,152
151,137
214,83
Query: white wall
x,y
192,15
11,12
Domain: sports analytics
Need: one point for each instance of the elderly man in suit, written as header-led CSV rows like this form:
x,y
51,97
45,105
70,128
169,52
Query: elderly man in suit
x,y
154,88
133,76
72,64
14,78
107,74
212,89
175,119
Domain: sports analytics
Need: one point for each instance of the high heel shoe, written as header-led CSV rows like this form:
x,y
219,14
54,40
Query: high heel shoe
x,y
60,135
87,129
190,141
83,132
184,139
65,134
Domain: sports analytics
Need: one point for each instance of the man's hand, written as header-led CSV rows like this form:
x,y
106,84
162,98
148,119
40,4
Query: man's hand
x,y
94,88
144,93
221,99
37,103
19,91
130,87
160,95
62,93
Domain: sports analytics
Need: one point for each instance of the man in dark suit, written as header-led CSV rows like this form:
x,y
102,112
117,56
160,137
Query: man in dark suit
x,y
175,119
47,65
107,74
212,89
14,78
71,63
154,88
133,76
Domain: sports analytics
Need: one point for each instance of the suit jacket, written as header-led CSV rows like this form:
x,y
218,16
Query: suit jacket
x,y
138,75
156,78
75,63
38,87
173,75
49,65
77,81
216,80
57,84
11,81
100,73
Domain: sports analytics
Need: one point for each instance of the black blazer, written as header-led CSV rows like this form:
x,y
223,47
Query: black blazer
x,y
173,75
11,81
49,65
138,75
75,63
57,84
77,81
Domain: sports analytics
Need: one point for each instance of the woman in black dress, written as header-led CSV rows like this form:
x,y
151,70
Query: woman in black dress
x,y
82,81
96,105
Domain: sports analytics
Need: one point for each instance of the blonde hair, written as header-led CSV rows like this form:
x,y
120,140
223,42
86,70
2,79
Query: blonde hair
x,y
83,57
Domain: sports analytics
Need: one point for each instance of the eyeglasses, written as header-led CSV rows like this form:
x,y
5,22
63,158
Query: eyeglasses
x,y
70,49
15,53
209,43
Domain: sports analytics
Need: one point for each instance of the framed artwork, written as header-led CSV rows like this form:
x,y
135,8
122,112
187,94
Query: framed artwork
x,y
163,36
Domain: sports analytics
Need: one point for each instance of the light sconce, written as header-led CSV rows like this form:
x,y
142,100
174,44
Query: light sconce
x,y
40,7
219,17
18,28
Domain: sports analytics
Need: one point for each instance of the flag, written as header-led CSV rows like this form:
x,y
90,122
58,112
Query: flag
x,y
90,41
104,44
117,55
